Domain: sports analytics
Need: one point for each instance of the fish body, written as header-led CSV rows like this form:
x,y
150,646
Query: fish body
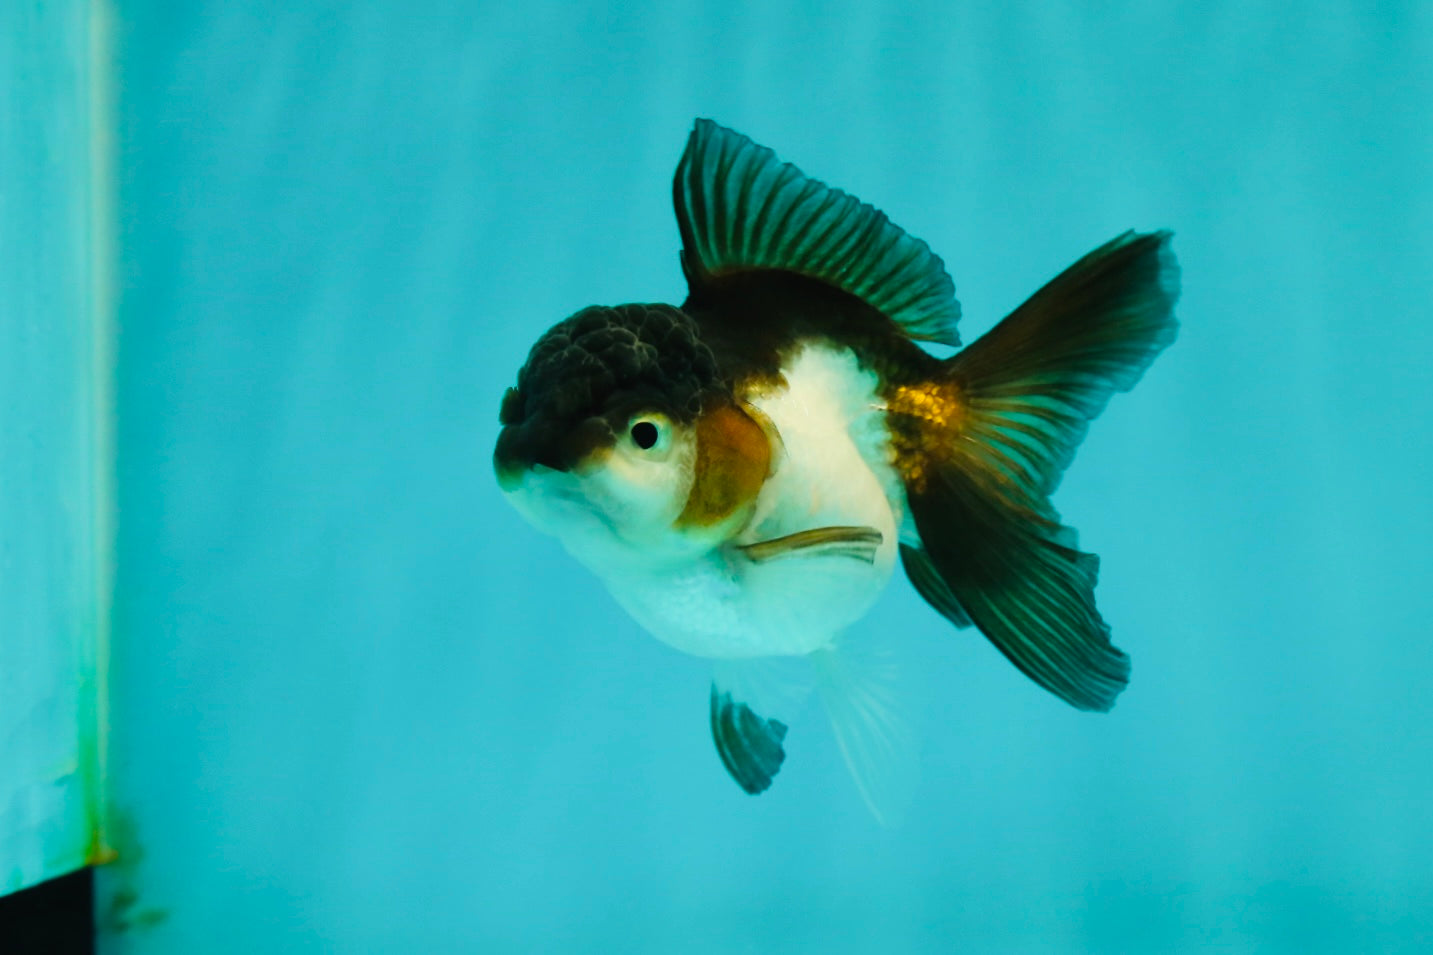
x,y
744,472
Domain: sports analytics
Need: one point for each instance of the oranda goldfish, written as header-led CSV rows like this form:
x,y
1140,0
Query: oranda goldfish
x,y
744,471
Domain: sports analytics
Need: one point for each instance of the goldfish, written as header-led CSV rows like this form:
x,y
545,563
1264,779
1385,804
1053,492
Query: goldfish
x,y
743,472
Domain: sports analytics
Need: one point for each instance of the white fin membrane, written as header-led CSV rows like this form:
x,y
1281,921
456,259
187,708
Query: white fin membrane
x,y
861,688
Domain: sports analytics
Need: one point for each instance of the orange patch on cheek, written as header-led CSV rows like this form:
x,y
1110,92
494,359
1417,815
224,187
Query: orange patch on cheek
x,y
733,461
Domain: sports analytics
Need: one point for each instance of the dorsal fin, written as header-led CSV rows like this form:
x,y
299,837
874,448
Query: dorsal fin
x,y
741,209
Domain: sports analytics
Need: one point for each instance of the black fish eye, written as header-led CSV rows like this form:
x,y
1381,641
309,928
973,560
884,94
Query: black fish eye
x,y
644,435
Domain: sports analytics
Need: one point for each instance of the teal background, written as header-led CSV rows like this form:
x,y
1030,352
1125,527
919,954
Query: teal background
x,y
55,455
359,706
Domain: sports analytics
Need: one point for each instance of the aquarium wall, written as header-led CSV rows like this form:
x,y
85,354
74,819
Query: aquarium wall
x,y
356,704
55,460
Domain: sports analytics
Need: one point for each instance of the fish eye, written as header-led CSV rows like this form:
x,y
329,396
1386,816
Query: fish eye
x,y
644,433
649,432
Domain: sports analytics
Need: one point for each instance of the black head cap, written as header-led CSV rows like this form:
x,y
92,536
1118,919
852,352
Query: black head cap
x,y
591,372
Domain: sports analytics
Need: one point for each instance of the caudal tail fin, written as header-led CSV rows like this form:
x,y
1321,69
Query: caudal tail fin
x,y
1017,404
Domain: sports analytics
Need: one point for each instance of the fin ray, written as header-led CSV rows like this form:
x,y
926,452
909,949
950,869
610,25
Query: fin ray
x,y
926,579
1051,366
860,543
1028,390
860,688
740,209
749,745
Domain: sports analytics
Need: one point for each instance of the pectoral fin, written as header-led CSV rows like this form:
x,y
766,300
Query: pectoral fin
x,y
858,542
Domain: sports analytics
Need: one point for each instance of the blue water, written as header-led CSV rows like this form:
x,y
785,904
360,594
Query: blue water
x,y
359,706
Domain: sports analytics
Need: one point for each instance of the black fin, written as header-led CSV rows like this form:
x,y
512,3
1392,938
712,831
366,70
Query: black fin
x,y
1028,390
861,543
1032,597
921,571
749,745
1035,381
740,208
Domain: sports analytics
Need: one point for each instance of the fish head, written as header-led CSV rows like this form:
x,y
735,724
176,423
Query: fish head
x,y
617,439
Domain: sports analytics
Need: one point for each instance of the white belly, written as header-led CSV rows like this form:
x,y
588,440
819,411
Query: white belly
x,y
832,470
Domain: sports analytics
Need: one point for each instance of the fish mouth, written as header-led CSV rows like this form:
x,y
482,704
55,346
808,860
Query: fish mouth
x,y
555,502
530,465
510,474
520,449
554,444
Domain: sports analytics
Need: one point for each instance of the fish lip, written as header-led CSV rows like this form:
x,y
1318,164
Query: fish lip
x,y
519,449
552,500
509,479
551,482
558,445
510,471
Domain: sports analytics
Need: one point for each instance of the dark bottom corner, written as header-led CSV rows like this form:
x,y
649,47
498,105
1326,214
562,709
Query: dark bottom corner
x,y
52,918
